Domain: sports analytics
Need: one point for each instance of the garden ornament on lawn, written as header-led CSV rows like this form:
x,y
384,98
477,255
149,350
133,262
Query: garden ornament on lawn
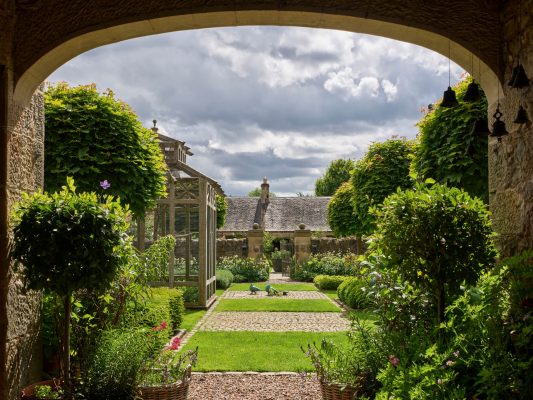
x,y
254,289
271,291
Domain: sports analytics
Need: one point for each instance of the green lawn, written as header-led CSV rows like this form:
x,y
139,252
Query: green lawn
x,y
332,294
277,304
191,317
279,286
256,351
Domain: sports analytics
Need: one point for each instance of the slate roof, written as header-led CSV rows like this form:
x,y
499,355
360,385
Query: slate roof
x,y
282,214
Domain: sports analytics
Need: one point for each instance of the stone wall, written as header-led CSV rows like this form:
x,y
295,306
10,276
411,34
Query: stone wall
x,y
232,247
22,357
511,160
337,245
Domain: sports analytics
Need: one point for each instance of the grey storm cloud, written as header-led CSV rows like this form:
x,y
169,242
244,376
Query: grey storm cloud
x,y
255,101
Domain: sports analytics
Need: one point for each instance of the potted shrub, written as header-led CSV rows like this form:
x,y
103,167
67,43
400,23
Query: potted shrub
x,y
168,376
349,372
65,242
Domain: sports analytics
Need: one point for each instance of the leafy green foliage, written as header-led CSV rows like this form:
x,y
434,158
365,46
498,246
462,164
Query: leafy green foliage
x,y
329,263
156,258
94,137
337,173
67,240
341,213
492,327
222,208
383,169
353,293
448,152
176,309
328,282
224,279
355,365
437,237
115,365
48,392
245,269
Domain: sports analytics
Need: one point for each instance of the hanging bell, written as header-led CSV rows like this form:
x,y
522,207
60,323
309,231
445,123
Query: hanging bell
x,y
498,127
449,99
521,117
472,93
480,128
519,78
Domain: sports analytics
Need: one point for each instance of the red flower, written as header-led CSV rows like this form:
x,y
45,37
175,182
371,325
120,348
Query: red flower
x,y
161,327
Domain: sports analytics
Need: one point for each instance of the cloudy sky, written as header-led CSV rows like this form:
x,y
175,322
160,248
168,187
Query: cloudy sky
x,y
269,101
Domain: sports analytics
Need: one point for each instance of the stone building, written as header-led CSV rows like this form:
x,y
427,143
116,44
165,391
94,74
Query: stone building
x,y
279,216
38,36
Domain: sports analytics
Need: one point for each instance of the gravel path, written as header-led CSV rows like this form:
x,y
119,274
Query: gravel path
x,y
276,322
300,295
254,386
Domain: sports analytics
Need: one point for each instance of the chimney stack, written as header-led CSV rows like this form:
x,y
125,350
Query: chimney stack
x,y
265,191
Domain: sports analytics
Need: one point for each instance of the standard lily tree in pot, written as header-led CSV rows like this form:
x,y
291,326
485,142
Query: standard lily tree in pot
x,y
68,241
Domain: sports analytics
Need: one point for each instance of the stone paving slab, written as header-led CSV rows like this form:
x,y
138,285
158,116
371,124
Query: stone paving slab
x,y
300,295
276,322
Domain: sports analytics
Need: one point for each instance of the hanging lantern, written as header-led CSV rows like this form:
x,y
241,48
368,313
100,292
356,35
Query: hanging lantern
x,y
519,78
472,93
480,128
498,127
449,99
521,117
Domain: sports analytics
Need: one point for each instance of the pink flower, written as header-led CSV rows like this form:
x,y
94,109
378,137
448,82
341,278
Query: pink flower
x,y
456,353
161,327
449,363
105,184
174,344
395,361
439,381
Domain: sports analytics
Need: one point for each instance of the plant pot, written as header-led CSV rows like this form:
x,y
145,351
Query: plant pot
x,y
336,391
172,391
28,393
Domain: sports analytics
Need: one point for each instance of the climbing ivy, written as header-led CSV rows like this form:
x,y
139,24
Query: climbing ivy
x,y
94,138
382,170
222,208
448,151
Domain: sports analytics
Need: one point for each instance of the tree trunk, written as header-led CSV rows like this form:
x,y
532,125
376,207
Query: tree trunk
x,y
359,245
65,356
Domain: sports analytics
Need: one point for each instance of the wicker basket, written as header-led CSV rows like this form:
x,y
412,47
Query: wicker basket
x,y
335,391
172,391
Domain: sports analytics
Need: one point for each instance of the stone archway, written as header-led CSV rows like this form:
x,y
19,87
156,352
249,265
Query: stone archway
x,y
37,36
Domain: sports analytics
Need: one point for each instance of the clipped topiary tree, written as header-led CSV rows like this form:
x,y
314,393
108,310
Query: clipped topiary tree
x,y
68,241
338,172
438,237
222,208
449,151
96,138
342,218
383,170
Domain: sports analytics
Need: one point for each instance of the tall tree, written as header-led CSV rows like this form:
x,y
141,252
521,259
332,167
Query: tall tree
x,y
342,218
99,141
382,170
449,151
338,172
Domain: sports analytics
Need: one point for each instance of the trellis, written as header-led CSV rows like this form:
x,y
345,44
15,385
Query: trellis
x,y
189,213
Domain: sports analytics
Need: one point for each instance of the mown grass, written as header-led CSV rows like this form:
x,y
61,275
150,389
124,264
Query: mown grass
x,y
277,304
256,351
296,287
332,294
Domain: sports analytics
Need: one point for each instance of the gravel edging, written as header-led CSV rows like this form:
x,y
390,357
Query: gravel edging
x,y
253,386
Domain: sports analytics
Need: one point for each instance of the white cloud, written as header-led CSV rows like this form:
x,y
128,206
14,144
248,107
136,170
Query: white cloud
x,y
281,102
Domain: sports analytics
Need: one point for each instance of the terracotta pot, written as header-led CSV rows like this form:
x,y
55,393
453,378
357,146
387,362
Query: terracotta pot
x,y
28,393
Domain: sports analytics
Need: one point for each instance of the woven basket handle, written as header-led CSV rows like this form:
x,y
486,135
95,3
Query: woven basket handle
x,y
187,374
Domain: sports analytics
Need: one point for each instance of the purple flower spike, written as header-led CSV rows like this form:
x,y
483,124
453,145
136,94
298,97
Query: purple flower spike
x,y
105,184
